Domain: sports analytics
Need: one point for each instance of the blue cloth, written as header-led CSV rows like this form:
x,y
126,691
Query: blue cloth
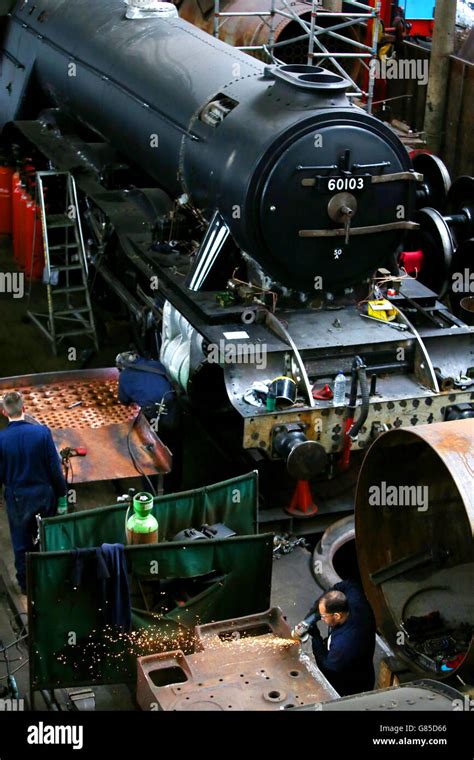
x,y
109,579
30,470
348,662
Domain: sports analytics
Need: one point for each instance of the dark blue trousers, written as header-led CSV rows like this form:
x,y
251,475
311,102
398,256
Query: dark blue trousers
x,y
23,504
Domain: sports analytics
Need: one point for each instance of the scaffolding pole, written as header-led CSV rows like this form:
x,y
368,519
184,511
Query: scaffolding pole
x,y
312,31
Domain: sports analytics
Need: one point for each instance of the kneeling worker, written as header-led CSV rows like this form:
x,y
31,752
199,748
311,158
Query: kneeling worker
x,y
145,382
30,470
346,657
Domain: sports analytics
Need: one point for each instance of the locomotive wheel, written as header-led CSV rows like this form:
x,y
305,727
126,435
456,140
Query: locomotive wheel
x,y
339,533
460,200
437,243
436,179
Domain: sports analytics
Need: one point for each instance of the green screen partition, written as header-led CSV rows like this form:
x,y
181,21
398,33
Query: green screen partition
x,y
233,502
70,644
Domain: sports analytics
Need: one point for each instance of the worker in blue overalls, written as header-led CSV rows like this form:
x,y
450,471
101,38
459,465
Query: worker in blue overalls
x,y
30,470
346,656
145,382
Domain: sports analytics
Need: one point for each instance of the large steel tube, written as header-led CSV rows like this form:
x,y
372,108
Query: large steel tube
x,y
252,31
414,516
216,128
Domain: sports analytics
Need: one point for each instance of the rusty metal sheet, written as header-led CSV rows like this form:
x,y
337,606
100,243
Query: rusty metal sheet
x,y
252,30
100,423
249,663
414,556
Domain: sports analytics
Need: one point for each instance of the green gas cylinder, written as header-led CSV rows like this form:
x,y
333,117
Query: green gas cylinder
x,y
142,526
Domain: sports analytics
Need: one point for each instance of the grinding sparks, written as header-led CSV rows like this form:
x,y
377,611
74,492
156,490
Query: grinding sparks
x,y
114,649
111,648
265,643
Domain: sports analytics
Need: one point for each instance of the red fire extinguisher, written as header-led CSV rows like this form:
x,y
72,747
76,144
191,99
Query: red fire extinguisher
x,y
6,175
16,207
33,237
21,251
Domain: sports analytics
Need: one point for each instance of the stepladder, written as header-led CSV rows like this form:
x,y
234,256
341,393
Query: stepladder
x,y
69,313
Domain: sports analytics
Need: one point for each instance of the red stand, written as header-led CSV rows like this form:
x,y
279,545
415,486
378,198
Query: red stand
x,y
302,504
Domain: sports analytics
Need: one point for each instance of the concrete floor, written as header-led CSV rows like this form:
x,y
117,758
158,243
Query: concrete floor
x,y
25,351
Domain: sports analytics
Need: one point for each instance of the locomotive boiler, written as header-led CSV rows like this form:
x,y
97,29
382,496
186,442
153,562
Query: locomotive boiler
x,y
248,213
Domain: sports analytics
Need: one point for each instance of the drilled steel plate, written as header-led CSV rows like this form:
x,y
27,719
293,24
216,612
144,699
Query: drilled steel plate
x,y
248,663
100,423
50,404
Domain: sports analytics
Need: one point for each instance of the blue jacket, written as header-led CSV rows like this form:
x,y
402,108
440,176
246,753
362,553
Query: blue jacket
x,y
144,388
28,459
346,659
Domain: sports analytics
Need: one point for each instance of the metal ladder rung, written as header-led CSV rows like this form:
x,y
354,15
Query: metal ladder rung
x,y
76,289
59,220
62,247
68,333
72,311
66,268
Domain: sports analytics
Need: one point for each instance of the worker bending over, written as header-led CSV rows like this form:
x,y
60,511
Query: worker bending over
x,y
346,657
144,382
30,470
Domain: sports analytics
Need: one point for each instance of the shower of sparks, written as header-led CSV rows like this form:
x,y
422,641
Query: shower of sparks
x,y
265,643
115,648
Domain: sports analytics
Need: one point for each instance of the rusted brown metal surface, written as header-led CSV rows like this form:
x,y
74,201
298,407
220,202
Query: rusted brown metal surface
x,y
249,663
418,557
83,411
253,30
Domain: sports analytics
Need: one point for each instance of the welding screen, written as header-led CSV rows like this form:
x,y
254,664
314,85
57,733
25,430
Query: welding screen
x,y
174,587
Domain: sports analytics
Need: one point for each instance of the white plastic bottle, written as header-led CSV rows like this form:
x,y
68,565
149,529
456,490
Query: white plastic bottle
x,y
339,398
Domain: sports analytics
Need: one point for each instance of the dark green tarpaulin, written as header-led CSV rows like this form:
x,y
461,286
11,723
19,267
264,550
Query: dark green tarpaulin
x,y
68,642
233,502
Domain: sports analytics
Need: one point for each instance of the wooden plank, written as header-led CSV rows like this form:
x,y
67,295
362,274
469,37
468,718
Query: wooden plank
x,y
453,110
464,162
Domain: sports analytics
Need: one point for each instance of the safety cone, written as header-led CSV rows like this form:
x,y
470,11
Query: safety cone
x,y
302,504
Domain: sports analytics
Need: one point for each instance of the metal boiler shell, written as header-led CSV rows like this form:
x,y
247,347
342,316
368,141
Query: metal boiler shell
x,y
132,80
440,457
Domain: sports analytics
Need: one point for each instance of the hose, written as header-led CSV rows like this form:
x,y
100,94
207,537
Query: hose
x,y
126,521
364,409
134,461
357,363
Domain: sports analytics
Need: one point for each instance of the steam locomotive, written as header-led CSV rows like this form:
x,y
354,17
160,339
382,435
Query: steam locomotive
x,y
249,213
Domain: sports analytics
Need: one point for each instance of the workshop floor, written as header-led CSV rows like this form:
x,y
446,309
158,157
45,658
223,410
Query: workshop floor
x,y
25,351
